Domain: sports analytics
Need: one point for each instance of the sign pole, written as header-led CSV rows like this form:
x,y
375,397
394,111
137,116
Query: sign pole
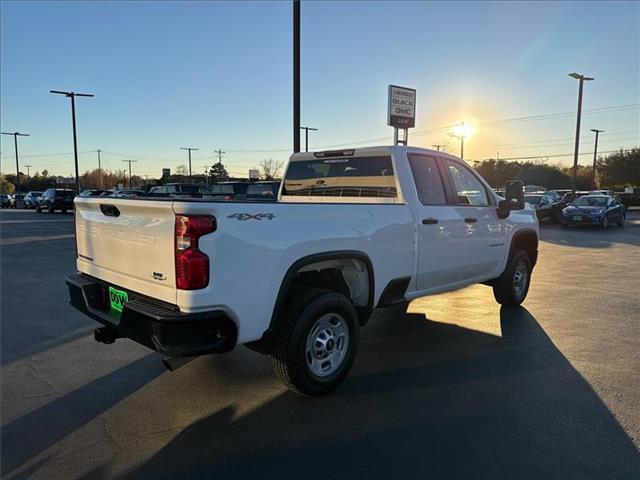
x,y
395,135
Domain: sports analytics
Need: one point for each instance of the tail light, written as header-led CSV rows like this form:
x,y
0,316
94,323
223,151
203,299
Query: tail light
x,y
192,265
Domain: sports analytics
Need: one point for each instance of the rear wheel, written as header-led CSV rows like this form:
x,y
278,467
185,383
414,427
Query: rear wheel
x,y
512,287
317,344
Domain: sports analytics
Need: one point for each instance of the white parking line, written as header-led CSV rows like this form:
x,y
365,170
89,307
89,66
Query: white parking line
x,y
3,222
19,240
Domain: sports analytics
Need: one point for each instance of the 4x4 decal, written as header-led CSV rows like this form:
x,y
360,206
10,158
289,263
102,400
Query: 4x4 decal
x,y
252,216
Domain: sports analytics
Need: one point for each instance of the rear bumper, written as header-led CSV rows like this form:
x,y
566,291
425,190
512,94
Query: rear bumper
x,y
159,327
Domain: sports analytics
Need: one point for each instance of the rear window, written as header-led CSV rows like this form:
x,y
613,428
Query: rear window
x,y
263,190
341,177
533,200
223,189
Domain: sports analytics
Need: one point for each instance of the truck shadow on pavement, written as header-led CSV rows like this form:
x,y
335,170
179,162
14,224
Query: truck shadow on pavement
x,y
425,400
31,434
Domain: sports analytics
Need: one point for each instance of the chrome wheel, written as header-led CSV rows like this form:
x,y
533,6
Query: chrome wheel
x,y
520,279
327,345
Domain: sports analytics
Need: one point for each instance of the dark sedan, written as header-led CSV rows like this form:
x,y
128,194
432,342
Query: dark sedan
x,y
600,210
56,199
546,206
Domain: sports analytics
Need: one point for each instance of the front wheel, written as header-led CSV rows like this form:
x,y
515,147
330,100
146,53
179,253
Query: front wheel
x,y
317,344
605,222
621,220
512,287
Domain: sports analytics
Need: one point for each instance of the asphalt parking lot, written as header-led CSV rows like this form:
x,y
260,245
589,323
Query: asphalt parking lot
x,y
454,388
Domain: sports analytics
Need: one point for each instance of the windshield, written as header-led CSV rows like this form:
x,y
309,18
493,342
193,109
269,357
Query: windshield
x,y
591,201
341,177
533,199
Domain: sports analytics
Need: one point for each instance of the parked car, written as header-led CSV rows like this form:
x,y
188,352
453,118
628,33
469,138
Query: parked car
x,y
599,210
180,189
570,197
262,191
31,199
6,200
228,190
350,231
546,206
92,193
56,199
17,200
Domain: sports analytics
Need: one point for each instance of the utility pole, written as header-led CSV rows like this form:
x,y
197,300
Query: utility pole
x,y
306,136
189,149
72,96
595,154
99,168
28,170
437,147
15,144
296,76
581,79
206,174
219,153
130,162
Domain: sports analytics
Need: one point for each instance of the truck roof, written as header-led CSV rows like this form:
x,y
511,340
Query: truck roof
x,y
364,151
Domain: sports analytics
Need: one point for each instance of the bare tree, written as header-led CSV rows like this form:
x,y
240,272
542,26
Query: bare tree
x,y
270,168
182,170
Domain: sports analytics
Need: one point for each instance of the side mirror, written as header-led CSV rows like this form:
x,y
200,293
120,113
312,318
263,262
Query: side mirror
x,y
514,194
504,208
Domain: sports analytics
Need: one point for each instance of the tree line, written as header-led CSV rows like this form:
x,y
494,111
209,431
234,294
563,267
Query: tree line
x,y
614,171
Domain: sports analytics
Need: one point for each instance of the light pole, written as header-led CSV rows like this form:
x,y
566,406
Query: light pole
x,y
189,150
28,171
437,147
296,76
595,154
99,168
581,79
306,136
15,144
130,162
72,96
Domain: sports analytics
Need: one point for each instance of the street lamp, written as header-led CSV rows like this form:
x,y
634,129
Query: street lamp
x,y
581,79
462,131
15,143
595,153
72,96
129,162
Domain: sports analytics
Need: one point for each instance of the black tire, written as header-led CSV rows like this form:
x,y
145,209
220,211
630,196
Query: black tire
x,y
290,356
64,210
51,209
505,291
621,220
38,210
605,222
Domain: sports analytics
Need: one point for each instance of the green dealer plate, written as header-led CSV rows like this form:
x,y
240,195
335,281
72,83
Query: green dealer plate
x,y
118,299
577,218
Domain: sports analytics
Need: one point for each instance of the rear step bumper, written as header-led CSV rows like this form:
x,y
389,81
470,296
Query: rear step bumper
x,y
158,327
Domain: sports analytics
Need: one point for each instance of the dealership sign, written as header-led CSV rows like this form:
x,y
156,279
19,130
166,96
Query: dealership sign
x,y
401,107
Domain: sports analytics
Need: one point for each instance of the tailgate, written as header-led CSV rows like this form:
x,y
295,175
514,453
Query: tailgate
x,y
128,243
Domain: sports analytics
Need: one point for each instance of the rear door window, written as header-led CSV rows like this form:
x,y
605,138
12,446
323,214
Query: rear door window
x,y
341,177
427,179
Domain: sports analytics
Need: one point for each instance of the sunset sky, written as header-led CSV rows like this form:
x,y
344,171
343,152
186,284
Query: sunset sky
x,y
218,75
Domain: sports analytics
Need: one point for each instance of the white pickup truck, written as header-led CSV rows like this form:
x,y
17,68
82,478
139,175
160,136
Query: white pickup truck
x,y
297,278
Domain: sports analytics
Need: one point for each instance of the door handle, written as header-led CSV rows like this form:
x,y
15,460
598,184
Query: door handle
x,y
430,221
470,220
